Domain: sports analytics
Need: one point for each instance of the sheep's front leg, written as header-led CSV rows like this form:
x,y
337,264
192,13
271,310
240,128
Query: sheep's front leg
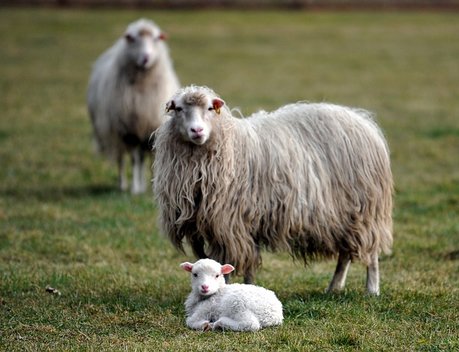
x,y
249,275
245,321
197,245
248,278
373,276
339,278
138,171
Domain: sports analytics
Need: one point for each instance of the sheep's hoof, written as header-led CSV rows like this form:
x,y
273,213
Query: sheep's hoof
x,y
207,327
373,293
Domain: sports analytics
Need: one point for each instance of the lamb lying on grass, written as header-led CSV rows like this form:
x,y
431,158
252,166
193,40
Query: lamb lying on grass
x,y
213,305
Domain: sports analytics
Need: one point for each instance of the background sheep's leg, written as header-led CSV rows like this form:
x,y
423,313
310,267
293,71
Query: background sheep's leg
x,y
339,278
138,171
245,321
122,177
373,275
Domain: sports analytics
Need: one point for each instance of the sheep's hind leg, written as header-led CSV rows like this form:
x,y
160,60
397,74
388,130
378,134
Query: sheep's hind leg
x,y
339,278
245,321
138,171
122,177
373,276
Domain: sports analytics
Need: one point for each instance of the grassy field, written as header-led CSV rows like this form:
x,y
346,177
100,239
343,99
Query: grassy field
x,y
64,224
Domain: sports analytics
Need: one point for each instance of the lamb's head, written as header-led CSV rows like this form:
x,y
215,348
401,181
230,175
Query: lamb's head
x,y
207,276
194,110
142,41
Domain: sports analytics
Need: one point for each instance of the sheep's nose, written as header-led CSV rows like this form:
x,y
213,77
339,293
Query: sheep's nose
x,y
145,60
197,129
205,287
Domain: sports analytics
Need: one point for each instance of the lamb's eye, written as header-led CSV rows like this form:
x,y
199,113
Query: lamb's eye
x,y
178,109
211,108
195,275
217,276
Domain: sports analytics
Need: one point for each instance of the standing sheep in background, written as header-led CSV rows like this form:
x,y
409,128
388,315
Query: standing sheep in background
x,y
313,179
129,86
213,305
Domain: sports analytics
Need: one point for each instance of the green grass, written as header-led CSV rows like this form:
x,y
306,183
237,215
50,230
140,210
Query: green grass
x,y
64,224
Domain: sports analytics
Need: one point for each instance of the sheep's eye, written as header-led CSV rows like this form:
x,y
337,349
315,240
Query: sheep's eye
x,y
130,38
195,275
217,276
211,108
178,109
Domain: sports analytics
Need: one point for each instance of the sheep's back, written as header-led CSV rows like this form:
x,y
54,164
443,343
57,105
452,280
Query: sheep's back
x,y
317,172
341,145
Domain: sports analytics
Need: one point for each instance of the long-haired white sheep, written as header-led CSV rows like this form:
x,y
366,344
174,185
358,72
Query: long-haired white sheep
x,y
313,179
129,86
212,304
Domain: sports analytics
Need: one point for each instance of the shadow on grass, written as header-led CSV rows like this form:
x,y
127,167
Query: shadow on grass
x,y
59,193
454,255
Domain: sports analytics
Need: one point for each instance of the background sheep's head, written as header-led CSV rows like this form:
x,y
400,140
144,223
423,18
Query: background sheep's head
x,y
142,39
207,275
194,109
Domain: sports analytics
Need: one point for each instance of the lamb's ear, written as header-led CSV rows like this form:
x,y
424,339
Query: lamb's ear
x,y
163,36
227,268
170,105
217,104
186,266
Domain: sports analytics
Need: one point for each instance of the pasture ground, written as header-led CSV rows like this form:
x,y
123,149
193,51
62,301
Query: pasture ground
x,y
64,224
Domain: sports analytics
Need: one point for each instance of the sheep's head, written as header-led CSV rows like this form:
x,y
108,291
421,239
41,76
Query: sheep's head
x,y
142,39
194,109
207,275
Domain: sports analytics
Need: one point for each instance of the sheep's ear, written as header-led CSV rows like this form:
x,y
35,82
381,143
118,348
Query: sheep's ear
x,y
129,38
217,104
227,268
170,106
186,266
163,36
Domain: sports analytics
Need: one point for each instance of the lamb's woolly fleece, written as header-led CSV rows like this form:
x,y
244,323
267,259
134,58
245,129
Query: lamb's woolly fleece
x,y
236,307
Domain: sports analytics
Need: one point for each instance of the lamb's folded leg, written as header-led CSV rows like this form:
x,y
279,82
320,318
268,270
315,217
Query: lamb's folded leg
x,y
244,321
198,321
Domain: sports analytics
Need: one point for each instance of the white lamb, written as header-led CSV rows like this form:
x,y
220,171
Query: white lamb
x,y
129,86
213,305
